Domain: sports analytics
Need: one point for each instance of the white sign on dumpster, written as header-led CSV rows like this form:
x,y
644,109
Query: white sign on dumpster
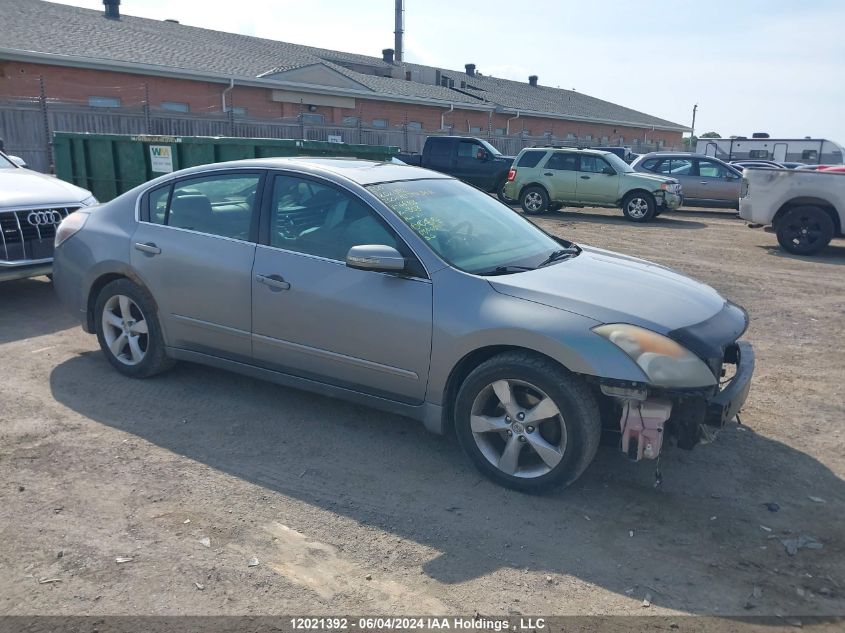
x,y
161,159
335,138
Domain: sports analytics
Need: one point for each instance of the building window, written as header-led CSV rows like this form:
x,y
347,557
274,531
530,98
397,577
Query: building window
x,y
104,102
174,106
237,111
313,119
588,137
350,120
414,125
605,140
501,131
810,154
526,132
380,123
474,129
570,136
758,153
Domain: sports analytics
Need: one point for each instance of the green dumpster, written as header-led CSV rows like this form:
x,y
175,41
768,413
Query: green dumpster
x,y
110,164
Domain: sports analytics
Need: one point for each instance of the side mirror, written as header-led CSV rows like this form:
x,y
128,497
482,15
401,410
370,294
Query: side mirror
x,y
608,171
375,257
17,160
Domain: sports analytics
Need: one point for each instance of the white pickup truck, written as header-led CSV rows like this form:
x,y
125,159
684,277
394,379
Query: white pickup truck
x,y
805,208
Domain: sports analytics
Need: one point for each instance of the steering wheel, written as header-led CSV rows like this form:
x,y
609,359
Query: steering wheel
x,y
460,232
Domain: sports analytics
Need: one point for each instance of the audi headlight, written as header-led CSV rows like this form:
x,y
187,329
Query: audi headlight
x,y
69,226
665,363
89,201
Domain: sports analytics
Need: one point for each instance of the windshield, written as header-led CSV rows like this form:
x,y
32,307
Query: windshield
x,y
618,164
469,229
489,147
5,163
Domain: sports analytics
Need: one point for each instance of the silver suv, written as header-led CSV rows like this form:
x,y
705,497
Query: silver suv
x,y
706,181
410,291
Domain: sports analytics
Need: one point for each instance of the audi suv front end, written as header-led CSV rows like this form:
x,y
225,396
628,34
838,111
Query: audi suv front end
x,y
32,205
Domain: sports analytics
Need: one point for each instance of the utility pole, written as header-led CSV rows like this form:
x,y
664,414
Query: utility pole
x,y
692,132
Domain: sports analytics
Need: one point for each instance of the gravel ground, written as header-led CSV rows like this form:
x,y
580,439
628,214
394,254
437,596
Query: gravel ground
x,y
192,474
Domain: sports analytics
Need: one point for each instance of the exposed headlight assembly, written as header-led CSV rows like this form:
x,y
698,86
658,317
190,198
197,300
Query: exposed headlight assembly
x,y
665,363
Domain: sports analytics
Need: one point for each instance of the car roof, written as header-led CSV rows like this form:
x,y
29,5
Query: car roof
x,y
361,171
595,152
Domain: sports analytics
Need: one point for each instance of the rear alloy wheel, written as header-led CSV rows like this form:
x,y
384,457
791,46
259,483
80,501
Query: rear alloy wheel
x,y
526,423
805,230
534,200
128,330
639,206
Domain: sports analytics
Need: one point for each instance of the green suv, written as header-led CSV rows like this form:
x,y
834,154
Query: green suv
x,y
546,179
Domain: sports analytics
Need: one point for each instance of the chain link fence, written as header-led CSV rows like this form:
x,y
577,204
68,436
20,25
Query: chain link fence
x,y
29,116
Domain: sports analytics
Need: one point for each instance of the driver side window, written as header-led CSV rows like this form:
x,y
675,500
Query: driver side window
x,y
316,219
593,164
468,149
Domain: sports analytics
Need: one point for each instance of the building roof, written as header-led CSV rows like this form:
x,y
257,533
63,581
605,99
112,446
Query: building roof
x,y
85,37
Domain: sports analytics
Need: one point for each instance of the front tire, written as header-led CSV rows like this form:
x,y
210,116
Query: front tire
x,y
534,200
805,230
526,423
128,330
639,206
500,192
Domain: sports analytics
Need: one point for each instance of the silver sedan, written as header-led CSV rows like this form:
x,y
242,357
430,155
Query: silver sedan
x,y
406,290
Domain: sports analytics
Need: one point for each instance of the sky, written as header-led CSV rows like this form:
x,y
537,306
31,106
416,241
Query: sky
x,y
775,66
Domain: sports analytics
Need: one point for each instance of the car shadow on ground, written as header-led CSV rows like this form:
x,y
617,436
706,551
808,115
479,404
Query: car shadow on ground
x,y
30,308
694,544
576,215
832,254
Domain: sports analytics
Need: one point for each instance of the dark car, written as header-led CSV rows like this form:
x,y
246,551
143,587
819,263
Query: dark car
x,y
472,160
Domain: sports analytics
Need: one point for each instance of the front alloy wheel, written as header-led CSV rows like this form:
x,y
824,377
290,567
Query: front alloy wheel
x,y
805,230
518,428
526,422
639,206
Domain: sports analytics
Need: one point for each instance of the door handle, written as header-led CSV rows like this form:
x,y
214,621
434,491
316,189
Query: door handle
x,y
585,177
274,282
149,248
703,182
548,173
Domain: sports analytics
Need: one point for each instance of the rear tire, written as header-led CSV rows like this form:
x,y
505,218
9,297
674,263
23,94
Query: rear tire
x,y
534,200
639,206
128,330
535,452
805,230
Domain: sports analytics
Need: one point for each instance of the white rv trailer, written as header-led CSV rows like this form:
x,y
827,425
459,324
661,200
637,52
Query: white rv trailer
x,y
813,151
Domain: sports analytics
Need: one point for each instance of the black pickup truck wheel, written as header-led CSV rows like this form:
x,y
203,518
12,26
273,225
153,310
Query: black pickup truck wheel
x,y
805,230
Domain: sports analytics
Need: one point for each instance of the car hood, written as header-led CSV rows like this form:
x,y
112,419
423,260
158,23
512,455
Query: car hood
x,y
24,187
614,288
656,178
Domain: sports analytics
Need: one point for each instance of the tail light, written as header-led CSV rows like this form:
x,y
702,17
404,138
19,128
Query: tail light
x,y
511,175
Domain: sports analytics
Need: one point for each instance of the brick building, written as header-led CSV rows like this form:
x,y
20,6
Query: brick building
x,y
63,56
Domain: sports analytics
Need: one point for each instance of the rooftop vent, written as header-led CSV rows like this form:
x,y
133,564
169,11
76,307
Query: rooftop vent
x,y
532,80
171,20
112,9
387,55
760,135
470,69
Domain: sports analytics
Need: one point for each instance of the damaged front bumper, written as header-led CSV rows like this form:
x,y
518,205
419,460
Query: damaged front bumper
x,y
648,416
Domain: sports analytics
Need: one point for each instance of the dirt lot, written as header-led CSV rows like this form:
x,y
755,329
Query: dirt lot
x,y
349,510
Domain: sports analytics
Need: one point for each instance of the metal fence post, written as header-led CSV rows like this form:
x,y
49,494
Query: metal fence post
x,y
147,126
46,118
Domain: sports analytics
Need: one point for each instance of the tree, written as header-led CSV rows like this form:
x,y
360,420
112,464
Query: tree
x,y
710,135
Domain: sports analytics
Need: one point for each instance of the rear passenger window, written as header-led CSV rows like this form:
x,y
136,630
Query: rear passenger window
x,y
530,159
650,164
218,205
562,162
